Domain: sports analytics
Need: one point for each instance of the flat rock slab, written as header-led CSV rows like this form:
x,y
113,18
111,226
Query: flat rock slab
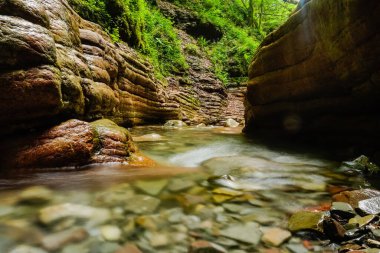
x,y
248,233
306,220
275,236
142,204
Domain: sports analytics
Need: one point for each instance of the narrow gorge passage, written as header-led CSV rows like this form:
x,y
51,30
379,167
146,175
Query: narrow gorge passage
x,y
188,126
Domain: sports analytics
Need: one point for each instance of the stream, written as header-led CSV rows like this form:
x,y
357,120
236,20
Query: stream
x,y
214,190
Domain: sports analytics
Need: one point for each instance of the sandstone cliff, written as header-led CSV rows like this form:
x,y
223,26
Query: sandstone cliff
x,y
318,75
200,95
56,65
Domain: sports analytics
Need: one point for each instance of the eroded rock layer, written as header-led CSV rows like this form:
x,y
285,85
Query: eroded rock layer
x,y
319,74
200,95
53,64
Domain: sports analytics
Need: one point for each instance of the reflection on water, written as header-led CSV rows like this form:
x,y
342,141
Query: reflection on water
x,y
212,184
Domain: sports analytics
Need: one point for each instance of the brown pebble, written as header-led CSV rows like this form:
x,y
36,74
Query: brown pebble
x,y
129,248
205,246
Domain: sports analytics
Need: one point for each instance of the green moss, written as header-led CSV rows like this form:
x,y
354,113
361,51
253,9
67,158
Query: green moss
x,y
192,49
141,26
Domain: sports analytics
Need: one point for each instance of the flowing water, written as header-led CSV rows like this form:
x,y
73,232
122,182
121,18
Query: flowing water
x,y
211,184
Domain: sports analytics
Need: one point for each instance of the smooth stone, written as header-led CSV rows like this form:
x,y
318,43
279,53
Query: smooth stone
x,y
110,232
52,214
361,221
201,125
129,248
175,123
233,208
179,184
353,197
257,202
371,250
227,191
174,215
6,210
275,236
205,246
58,240
220,198
191,221
107,247
248,233
151,187
373,243
27,249
142,204
370,206
231,123
226,242
35,195
296,248
158,239
376,232
306,220
148,138
78,248
342,207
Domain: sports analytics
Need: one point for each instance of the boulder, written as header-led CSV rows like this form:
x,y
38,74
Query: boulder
x,y
72,143
318,74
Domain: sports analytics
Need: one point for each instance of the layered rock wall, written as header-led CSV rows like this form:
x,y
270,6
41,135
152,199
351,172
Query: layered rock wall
x,y
319,74
53,64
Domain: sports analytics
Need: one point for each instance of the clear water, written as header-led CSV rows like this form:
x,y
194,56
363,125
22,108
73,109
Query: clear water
x,y
269,183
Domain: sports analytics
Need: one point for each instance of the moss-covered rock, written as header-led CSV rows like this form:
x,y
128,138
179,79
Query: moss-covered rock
x,y
72,143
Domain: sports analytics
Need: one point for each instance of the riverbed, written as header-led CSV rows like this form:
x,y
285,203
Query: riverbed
x,y
213,188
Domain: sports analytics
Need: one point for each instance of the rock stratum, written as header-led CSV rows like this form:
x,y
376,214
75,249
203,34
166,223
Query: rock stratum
x,y
318,75
55,64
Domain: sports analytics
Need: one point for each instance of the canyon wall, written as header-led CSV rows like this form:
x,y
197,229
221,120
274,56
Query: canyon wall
x,y
55,65
318,75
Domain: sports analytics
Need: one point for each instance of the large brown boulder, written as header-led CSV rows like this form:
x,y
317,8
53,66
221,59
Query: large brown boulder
x,y
318,75
72,143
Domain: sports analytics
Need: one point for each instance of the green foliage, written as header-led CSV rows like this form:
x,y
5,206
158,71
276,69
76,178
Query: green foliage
x,y
232,55
162,44
244,23
192,49
141,26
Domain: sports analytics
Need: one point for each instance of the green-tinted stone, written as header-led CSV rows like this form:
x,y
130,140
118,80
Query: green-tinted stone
x,y
306,220
362,221
248,233
151,187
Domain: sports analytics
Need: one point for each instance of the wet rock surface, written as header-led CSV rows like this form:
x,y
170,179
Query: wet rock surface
x,y
343,228
57,66
72,143
224,206
312,77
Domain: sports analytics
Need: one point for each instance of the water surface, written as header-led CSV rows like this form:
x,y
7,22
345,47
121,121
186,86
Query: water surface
x,y
209,180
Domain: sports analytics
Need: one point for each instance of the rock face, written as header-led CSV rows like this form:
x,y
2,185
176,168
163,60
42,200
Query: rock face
x,y
235,104
55,65
199,93
318,74
72,143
